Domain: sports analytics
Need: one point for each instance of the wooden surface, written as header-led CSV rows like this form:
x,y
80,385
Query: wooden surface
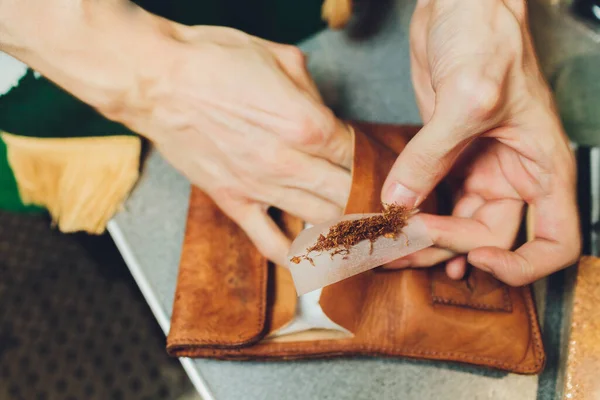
x,y
582,379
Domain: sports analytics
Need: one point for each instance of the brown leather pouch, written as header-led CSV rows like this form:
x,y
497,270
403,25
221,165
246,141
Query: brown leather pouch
x,y
231,303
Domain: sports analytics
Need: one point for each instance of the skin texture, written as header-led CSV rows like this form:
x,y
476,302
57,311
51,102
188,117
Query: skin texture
x,y
238,115
490,126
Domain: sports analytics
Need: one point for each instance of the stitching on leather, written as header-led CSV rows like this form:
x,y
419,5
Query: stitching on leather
x,y
386,352
393,351
480,306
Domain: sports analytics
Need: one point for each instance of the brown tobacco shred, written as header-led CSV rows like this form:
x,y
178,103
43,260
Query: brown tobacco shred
x,y
342,236
297,259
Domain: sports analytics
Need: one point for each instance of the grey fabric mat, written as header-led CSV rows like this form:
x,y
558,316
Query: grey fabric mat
x,y
73,324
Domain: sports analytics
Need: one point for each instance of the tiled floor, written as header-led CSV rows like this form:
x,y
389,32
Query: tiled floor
x,y
73,324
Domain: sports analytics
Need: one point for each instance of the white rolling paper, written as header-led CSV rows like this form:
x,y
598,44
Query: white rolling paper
x,y
309,316
327,270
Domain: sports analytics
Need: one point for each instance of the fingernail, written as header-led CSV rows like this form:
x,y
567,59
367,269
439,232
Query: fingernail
x,y
397,193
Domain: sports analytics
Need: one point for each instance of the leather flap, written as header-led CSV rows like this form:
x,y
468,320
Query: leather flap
x,y
221,289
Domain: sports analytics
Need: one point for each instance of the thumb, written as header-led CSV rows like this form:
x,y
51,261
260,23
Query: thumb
x,y
425,160
464,108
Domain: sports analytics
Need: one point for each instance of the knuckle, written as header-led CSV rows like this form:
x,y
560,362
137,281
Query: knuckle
x,y
115,109
237,34
227,196
481,94
305,133
296,55
313,130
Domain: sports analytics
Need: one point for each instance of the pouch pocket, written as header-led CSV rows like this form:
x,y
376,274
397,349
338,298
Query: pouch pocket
x,y
478,290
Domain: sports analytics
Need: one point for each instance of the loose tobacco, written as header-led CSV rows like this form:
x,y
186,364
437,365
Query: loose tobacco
x,y
345,234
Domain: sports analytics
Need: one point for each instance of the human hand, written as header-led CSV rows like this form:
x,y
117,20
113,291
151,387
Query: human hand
x,y
243,120
484,102
239,116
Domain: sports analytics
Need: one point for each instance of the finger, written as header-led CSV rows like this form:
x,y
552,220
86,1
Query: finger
x,y
400,263
322,135
532,261
493,224
425,160
421,259
557,243
456,268
285,152
261,229
309,127
339,146
466,207
304,205
462,235
311,174
464,109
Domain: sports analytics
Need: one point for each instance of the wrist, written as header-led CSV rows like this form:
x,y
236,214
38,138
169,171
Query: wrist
x,y
101,52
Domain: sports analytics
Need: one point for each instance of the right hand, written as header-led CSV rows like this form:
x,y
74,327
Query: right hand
x,y
490,119
243,120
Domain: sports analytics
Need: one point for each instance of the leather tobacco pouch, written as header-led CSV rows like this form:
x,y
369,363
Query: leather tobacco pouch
x,y
231,303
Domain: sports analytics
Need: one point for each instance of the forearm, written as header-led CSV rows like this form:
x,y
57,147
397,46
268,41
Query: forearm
x,y
96,50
